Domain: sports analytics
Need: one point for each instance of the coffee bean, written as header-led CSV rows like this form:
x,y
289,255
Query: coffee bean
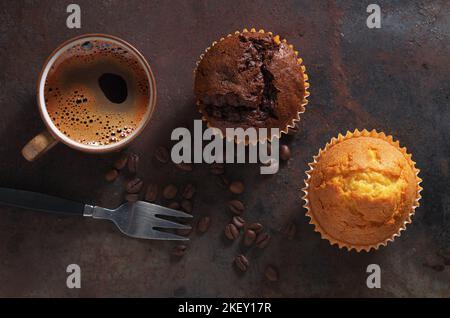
x,y
436,267
285,153
132,197
217,171
174,205
179,250
231,232
203,224
444,253
217,168
241,263
133,162
121,162
294,130
189,191
186,205
170,192
256,227
184,166
223,182
290,230
184,232
249,237
134,185
262,240
271,273
236,206
238,221
162,154
237,187
446,260
152,193
111,175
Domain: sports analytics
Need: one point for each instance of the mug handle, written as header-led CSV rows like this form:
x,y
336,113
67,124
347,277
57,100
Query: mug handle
x,y
39,145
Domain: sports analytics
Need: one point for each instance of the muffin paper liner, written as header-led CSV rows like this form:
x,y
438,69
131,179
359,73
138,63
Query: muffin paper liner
x,y
301,107
356,133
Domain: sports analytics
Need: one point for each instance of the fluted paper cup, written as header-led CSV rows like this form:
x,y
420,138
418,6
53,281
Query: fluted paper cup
x,y
310,209
301,106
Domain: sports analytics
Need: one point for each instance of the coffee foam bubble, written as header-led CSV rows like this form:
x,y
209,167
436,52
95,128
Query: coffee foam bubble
x,y
77,105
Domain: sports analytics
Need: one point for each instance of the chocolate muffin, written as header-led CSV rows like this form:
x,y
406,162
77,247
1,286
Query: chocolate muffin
x,y
251,79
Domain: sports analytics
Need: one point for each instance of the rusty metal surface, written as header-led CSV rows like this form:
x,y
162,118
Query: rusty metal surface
x,y
395,79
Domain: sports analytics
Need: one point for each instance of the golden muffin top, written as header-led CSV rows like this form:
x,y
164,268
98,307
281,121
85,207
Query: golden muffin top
x,y
362,191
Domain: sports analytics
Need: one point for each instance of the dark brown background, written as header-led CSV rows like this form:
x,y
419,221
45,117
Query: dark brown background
x,y
395,79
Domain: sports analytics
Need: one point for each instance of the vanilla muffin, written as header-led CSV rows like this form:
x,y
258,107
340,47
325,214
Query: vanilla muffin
x,y
362,190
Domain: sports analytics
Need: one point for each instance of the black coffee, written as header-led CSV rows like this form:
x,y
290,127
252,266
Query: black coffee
x,y
114,87
97,92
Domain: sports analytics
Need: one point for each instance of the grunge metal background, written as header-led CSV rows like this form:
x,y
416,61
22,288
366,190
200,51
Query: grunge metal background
x,y
395,79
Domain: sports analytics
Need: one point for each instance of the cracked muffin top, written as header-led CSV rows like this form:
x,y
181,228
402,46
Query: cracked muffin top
x,y
250,79
362,190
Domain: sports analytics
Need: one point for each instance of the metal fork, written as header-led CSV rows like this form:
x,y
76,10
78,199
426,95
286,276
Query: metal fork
x,y
140,219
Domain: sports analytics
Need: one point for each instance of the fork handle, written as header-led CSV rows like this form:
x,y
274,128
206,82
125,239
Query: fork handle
x,y
40,202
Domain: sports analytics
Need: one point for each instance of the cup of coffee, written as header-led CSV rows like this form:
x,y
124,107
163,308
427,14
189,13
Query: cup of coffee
x,y
96,93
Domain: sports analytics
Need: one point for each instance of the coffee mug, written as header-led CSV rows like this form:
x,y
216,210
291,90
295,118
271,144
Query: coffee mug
x,y
95,93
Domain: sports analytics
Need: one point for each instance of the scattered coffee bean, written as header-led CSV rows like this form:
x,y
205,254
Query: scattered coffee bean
x,y
174,205
188,191
121,162
223,182
111,175
236,206
231,232
170,192
134,185
217,168
132,197
237,187
133,162
241,263
179,250
444,253
290,230
285,153
203,224
256,227
152,193
184,232
185,166
436,267
162,154
238,221
271,273
292,131
262,240
249,237
186,205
